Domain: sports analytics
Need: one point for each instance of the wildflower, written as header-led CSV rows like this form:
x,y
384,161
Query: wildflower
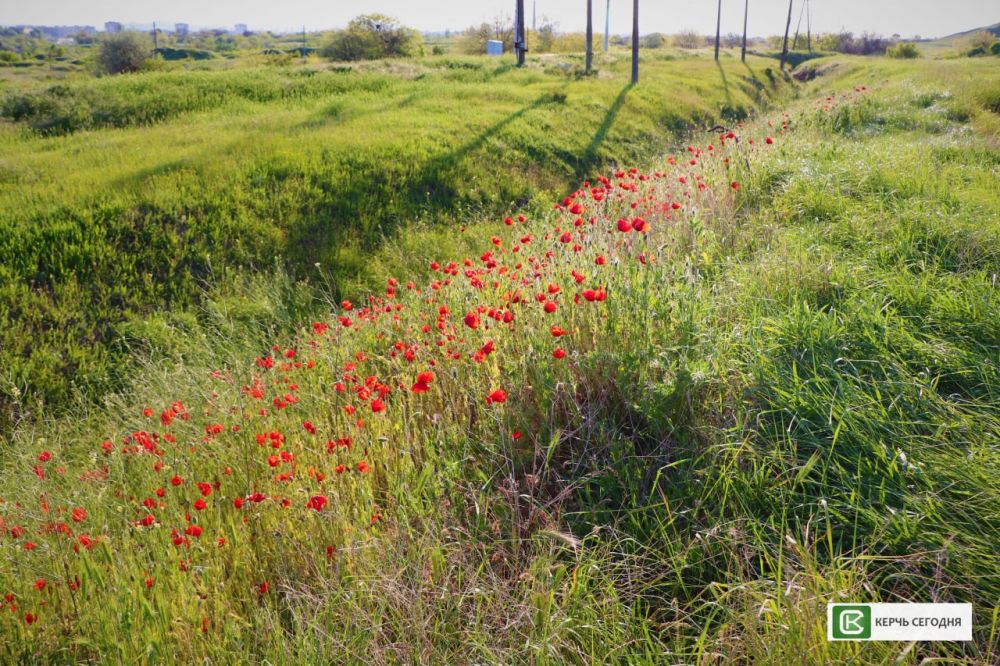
x,y
558,353
472,320
422,385
496,396
317,502
78,515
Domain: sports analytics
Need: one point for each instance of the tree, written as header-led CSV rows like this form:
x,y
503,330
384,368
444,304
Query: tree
x,y
718,30
635,42
121,53
373,36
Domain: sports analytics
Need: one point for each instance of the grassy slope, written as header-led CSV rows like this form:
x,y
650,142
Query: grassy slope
x,y
232,169
797,402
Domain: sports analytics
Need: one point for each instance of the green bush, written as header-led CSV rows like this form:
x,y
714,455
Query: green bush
x,y
168,53
903,50
122,53
373,36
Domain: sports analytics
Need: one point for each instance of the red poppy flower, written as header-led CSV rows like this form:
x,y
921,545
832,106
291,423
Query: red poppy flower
x,y
423,383
557,331
200,504
378,406
472,320
550,307
317,502
497,396
558,353
79,515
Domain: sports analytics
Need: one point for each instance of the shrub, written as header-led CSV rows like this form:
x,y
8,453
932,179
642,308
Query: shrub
x,y
653,40
122,53
903,50
373,36
688,39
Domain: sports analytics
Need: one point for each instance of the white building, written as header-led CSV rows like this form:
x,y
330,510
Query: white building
x,y
240,28
112,27
181,29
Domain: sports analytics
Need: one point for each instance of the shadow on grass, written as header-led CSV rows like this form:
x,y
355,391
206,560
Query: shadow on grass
x,y
590,157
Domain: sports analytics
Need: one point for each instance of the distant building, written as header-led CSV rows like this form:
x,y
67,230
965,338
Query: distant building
x,y
241,29
112,27
181,29
494,47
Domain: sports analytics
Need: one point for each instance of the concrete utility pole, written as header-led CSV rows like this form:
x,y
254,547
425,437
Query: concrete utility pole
x,y
718,29
635,42
607,24
798,26
746,12
809,37
590,35
788,25
519,32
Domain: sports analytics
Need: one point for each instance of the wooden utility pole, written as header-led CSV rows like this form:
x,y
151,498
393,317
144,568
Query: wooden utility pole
x,y
635,42
155,42
718,30
590,35
788,25
746,13
519,32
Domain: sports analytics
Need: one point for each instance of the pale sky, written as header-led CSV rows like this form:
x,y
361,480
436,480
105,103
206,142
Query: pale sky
x,y
928,18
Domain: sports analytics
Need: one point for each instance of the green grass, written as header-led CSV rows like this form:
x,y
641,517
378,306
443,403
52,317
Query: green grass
x,y
795,400
148,188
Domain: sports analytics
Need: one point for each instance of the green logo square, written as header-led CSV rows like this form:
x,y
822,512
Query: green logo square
x,y
851,622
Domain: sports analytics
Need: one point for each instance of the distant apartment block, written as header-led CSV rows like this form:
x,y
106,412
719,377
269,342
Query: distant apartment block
x,y
112,26
181,29
240,28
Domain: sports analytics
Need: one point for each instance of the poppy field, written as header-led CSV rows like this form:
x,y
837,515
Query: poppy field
x,y
667,416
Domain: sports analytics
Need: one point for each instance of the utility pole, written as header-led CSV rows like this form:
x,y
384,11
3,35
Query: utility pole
x,y
809,39
590,35
746,13
718,28
798,26
303,42
635,42
788,25
155,43
607,24
519,32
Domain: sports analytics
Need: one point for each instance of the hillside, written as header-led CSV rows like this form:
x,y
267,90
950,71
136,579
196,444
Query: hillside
x,y
123,198
666,417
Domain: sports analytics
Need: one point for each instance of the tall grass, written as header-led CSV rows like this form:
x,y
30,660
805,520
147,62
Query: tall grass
x,y
793,399
193,178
